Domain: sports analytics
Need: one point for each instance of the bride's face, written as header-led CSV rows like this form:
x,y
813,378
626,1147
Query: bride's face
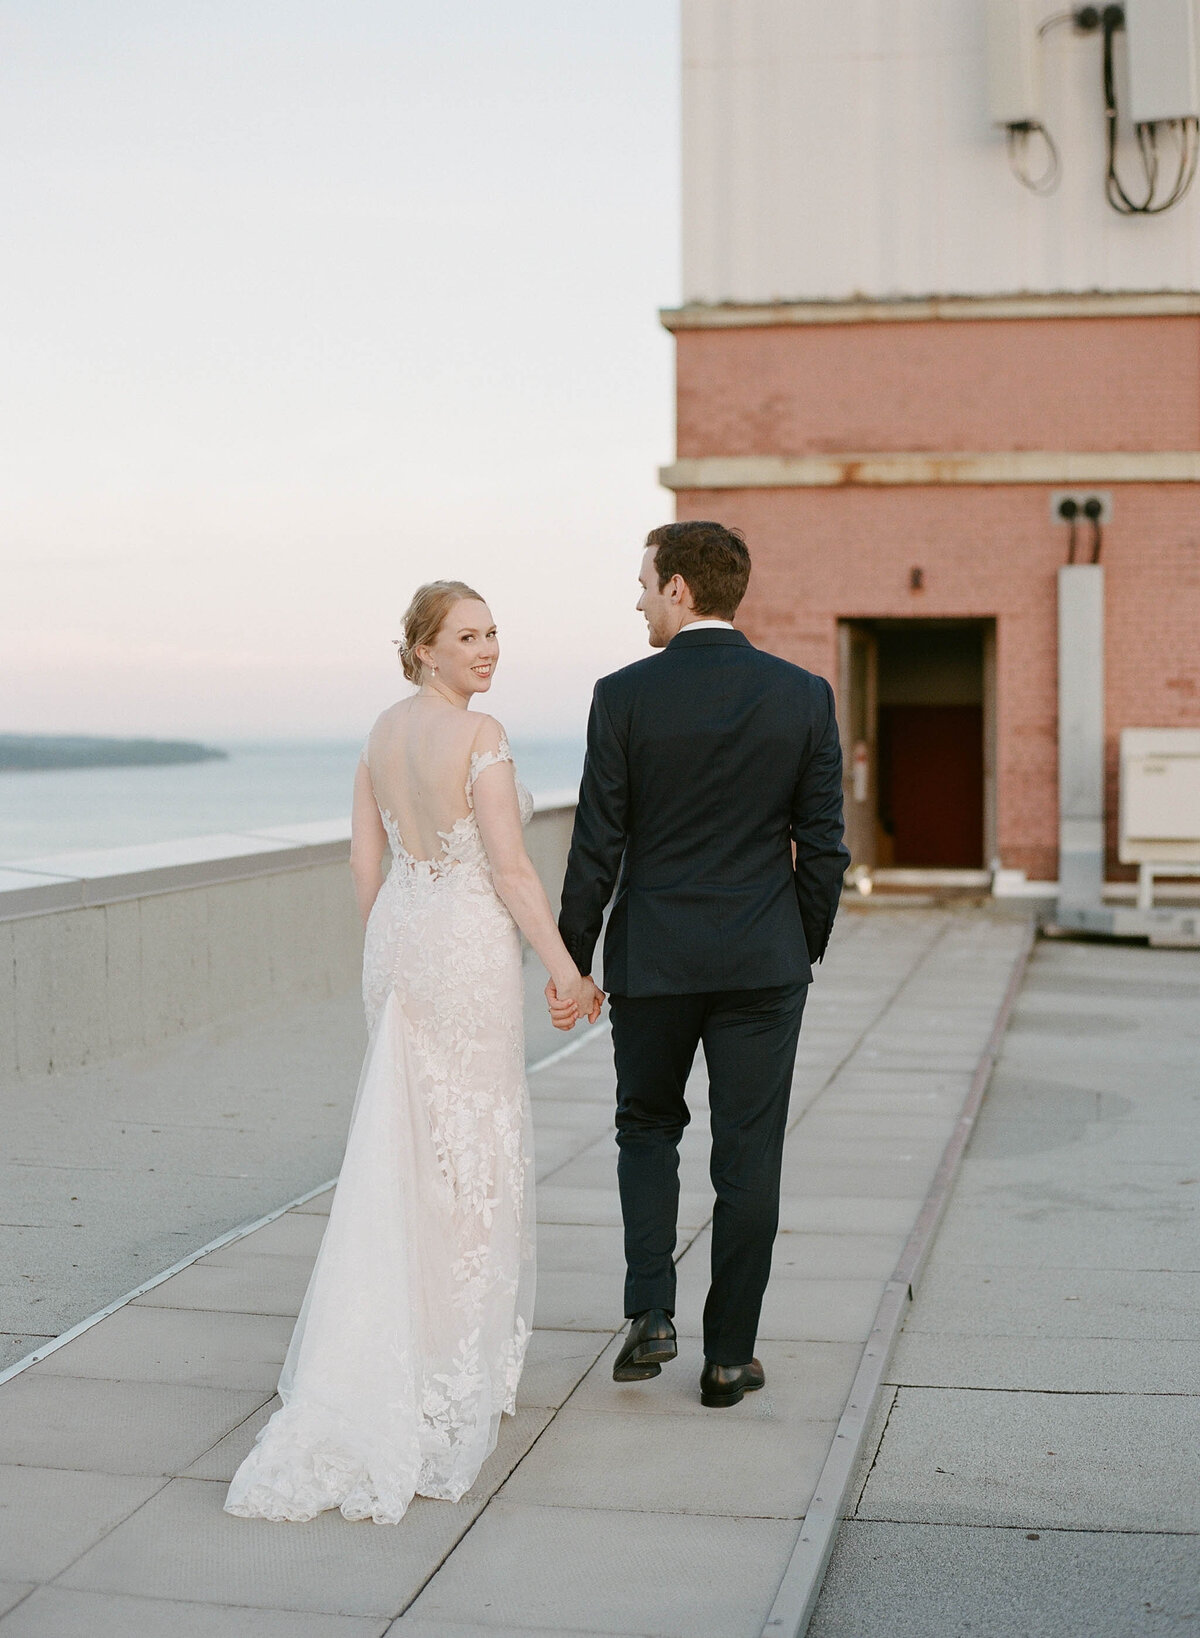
x,y
466,650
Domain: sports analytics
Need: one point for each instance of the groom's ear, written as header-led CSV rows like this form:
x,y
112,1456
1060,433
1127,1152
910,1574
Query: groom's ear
x,y
679,591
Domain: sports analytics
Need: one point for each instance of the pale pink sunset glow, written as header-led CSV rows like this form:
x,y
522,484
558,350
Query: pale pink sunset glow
x,y
306,306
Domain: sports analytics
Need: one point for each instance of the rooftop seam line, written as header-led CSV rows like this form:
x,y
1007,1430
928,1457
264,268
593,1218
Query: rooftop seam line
x,y
553,1417
230,1235
554,1410
936,938
796,1600
225,1239
556,1057
882,1011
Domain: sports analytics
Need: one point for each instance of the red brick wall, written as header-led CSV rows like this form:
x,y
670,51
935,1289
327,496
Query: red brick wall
x,y
985,551
1090,383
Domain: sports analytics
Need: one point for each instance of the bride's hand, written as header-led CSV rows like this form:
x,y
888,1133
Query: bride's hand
x,y
564,1009
571,1001
584,995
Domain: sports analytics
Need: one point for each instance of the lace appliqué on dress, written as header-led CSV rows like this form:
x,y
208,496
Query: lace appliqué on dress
x,y
411,1340
485,759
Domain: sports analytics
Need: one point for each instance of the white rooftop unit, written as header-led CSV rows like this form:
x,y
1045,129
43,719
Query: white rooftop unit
x,y
1164,70
1160,805
1160,795
1013,62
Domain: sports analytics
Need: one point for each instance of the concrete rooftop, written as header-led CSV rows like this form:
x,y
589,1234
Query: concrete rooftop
x,y
1033,1453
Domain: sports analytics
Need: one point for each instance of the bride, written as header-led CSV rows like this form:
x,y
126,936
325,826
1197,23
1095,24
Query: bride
x,y
412,1334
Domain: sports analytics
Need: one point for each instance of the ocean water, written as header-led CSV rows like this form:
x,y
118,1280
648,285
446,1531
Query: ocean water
x,y
269,782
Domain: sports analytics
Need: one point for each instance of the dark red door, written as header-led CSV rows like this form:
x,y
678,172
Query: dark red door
x,y
931,784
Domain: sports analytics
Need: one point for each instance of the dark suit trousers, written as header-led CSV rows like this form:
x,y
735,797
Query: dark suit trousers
x,y
749,1039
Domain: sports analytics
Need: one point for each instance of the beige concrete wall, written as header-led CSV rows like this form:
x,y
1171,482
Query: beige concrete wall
x,y
548,839
846,151
83,983
110,978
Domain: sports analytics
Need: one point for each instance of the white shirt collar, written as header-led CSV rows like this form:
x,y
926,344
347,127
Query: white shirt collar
x,y
700,625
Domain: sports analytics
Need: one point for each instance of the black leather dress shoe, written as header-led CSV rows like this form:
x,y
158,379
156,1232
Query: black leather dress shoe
x,y
722,1385
651,1340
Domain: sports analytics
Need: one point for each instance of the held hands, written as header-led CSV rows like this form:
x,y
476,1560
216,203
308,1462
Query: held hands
x,y
569,1003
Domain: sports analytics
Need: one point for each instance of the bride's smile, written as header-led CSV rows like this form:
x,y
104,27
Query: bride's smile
x,y
461,660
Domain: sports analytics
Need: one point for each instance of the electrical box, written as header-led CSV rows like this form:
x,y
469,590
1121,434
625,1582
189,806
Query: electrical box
x,y
1160,795
1013,78
1164,71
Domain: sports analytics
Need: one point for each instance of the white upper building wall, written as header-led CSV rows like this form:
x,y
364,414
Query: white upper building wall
x,y
840,149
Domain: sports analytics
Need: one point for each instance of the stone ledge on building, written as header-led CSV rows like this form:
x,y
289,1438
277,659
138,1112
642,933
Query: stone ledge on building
x,y
855,310
889,468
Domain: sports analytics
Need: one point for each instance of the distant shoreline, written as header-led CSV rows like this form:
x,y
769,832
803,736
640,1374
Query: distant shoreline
x,y
33,753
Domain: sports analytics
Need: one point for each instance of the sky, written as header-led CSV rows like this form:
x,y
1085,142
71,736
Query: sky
x,y
302,305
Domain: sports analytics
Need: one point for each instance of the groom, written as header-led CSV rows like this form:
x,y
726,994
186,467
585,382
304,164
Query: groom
x,y
712,802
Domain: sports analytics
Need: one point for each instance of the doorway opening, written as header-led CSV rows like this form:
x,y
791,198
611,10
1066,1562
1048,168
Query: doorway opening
x,y
916,708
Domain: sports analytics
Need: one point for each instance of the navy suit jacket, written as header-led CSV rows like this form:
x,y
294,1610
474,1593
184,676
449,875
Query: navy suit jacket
x,y
705,763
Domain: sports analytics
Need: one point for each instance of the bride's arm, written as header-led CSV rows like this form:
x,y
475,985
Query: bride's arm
x,y
517,882
368,841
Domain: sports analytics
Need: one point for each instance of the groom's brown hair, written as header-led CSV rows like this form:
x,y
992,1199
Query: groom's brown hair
x,y
712,559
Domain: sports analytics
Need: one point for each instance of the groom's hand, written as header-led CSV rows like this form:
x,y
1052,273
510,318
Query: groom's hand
x,y
595,1000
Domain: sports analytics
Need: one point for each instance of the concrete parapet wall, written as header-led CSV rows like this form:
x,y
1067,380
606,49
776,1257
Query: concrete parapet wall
x,y
548,841
105,953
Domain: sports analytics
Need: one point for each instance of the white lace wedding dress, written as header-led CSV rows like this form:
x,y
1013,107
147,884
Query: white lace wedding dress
x,y
412,1334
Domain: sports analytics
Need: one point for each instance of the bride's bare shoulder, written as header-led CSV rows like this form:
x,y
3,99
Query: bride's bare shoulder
x,y
489,733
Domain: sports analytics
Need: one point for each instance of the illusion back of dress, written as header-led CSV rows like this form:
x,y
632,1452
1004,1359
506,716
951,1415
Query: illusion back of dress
x,y
419,756
411,1338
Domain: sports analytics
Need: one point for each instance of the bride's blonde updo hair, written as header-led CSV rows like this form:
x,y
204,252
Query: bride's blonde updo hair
x,y
425,617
